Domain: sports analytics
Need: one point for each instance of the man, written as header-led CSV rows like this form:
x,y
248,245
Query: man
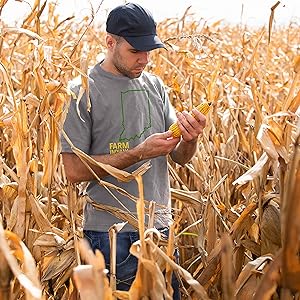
x,y
126,126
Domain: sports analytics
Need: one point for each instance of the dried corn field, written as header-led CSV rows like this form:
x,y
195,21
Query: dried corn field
x,y
235,205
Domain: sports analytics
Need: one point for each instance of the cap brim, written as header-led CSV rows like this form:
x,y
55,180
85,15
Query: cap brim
x,y
144,43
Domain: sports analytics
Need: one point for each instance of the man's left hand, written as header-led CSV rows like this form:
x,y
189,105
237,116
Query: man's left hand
x,y
191,126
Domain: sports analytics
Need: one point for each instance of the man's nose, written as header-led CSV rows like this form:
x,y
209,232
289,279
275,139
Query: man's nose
x,y
144,57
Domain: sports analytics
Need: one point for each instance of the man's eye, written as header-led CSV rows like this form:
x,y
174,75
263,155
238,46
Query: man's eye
x,y
134,51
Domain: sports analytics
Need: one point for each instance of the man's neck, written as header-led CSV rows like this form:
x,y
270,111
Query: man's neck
x,y
107,66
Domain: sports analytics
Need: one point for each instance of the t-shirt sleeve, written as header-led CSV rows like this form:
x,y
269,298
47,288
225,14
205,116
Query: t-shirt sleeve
x,y
77,128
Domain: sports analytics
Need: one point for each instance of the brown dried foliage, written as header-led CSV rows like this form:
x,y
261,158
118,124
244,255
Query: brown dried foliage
x,y
235,204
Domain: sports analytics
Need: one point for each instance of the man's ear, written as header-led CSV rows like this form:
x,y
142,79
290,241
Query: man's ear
x,y
110,41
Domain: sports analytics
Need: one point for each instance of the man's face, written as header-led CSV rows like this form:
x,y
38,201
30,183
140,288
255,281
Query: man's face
x,y
127,60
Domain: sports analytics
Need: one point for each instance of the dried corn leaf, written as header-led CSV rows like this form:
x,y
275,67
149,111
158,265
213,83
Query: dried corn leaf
x,y
39,215
227,268
56,264
290,247
255,171
50,239
100,285
135,250
85,282
251,274
271,19
270,281
270,229
27,279
22,30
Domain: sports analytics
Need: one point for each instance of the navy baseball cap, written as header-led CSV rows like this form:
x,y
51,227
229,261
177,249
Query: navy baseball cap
x,y
136,25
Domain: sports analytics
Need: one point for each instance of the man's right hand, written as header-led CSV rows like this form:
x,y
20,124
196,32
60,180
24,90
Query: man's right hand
x,y
158,144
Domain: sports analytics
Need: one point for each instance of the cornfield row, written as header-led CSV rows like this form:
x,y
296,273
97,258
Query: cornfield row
x,y
235,205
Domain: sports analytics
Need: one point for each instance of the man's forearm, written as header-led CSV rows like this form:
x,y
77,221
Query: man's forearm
x,y
157,144
77,171
184,151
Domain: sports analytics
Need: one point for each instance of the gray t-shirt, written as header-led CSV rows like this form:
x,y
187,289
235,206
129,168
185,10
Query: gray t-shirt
x,y
124,112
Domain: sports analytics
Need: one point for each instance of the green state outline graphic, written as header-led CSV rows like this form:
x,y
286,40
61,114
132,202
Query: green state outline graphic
x,y
123,117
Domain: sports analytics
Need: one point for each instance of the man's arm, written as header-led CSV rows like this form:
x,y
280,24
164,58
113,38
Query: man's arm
x,y
191,127
158,144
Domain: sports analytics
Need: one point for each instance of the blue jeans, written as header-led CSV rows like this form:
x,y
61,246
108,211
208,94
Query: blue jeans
x,y
126,263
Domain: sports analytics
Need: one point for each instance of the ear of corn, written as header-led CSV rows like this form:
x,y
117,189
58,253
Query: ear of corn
x,y
203,108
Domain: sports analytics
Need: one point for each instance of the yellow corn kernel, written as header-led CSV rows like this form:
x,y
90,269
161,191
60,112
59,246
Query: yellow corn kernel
x,y
176,132
203,108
